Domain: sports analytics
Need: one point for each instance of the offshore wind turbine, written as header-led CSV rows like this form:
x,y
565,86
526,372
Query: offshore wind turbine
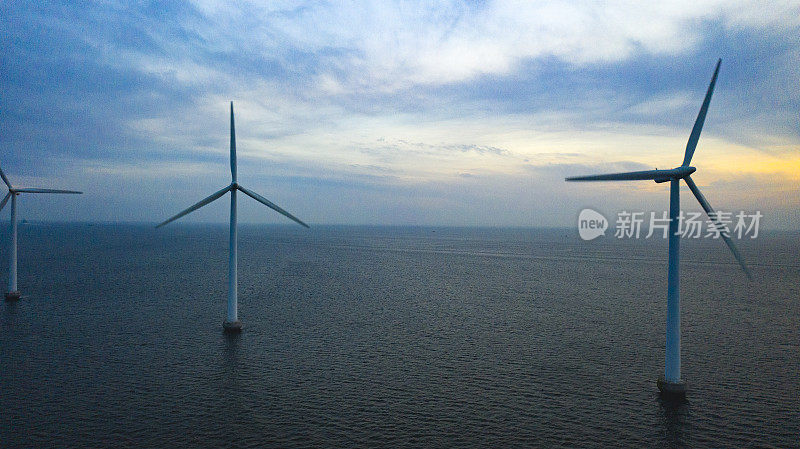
x,y
671,383
232,323
13,293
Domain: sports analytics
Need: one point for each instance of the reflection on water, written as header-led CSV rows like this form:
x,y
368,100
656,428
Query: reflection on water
x,y
675,418
232,342
10,312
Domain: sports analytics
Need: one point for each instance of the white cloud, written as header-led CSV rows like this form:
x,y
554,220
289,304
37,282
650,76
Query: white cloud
x,y
390,45
665,104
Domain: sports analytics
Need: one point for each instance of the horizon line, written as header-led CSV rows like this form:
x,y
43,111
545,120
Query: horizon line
x,y
374,225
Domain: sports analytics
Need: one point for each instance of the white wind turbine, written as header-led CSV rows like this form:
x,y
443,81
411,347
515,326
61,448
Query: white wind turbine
x,y
232,323
13,293
671,383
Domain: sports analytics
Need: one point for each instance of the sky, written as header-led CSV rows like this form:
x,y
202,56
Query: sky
x,y
465,113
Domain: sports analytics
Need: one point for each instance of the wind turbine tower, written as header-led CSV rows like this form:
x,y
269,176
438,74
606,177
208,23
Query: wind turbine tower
x,y
13,292
232,323
672,383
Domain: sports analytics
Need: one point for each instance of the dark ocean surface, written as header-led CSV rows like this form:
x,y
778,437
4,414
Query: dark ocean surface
x,y
392,337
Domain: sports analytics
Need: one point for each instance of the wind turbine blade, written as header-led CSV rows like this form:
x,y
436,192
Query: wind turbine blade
x,y
233,148
627,176
5,180
701,118
271,205
196,206
707,207
5,200
32,190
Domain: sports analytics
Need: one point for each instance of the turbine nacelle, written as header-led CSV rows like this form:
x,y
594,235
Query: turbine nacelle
x,y
676,173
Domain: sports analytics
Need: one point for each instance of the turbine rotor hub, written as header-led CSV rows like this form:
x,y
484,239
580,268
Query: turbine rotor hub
x,y
683,171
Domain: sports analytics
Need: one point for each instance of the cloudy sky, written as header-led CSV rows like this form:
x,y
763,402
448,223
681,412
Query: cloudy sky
x,y
464,113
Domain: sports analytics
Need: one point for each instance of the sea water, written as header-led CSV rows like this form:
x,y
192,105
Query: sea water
x,y
393,337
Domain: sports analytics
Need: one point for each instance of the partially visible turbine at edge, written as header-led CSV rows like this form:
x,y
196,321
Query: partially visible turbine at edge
x,y
13,293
